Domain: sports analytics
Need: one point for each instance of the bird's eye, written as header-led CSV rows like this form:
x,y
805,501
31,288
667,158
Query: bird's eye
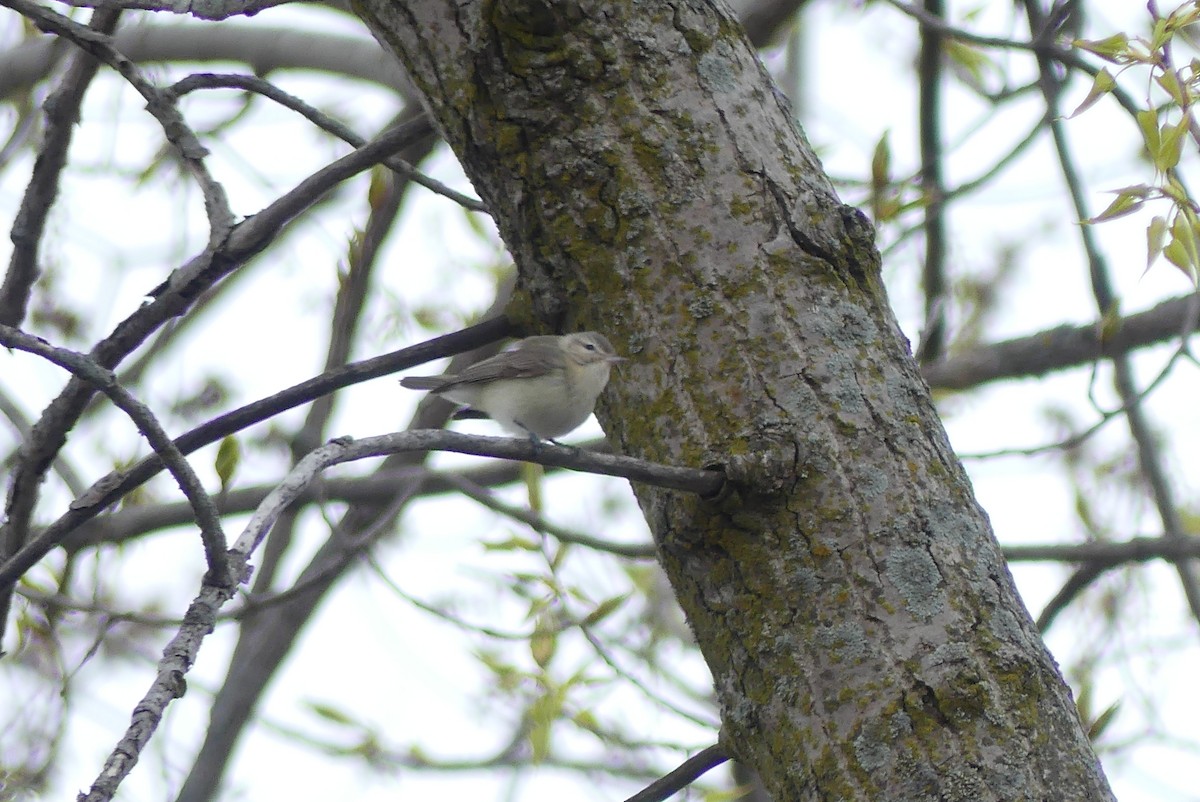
x,y
589,346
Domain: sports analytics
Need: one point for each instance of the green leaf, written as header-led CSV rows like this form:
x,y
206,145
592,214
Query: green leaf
x,y
533,475
331,713
544,642
1181,249
1128,200
586,720
1102,84
1110,48
881,163
1147,120
508,676
1169,81
1183,229
513,543
970,58
544,711
1101,722
378,188
229,455
1171,150
604,609
1156,235
1161,33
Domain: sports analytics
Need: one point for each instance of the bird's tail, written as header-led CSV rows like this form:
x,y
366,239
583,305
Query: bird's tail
x,y
423,382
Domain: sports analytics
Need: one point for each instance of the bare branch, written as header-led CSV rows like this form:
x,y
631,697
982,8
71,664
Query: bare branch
x,y
1080,579
62,112
262,49
1106,554
537,522
159,103
175,296
694,480
935,284
112,487
687,773
323,121
213,10
169,684
1064,347
84,368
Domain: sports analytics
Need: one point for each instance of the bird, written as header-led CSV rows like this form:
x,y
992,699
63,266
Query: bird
x,y
544,387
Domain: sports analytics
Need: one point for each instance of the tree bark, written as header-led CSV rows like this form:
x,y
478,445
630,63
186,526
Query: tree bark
x,y
864,635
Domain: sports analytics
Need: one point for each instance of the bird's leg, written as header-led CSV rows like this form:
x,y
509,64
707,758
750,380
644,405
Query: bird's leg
x,y
537,439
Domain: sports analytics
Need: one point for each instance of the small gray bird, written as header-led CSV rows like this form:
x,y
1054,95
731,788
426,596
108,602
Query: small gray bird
x,y
544,387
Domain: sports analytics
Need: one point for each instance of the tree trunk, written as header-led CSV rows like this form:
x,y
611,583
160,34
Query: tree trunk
x,y
863,632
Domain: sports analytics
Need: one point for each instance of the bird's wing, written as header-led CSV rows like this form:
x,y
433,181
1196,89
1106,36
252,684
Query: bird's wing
x,y
527,361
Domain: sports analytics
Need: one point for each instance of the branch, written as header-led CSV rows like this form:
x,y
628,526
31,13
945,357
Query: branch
x,y
1107,555
1033,355
538,523
933,189
62,111
250,83
267,49
1064,347
262,49
687,773
173,298
169,684
211,10
84,368
1149,457
694,480
115,485
134,520
387,194
161,106
201,617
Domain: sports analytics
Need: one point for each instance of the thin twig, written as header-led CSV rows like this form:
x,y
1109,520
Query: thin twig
x,y
250,83
175,297
1106,415
168,685
438,612
1064,55
16,416
115,485
207,517
1149,457
1080,580
693,480
158,102
635,551
934,281
62,112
